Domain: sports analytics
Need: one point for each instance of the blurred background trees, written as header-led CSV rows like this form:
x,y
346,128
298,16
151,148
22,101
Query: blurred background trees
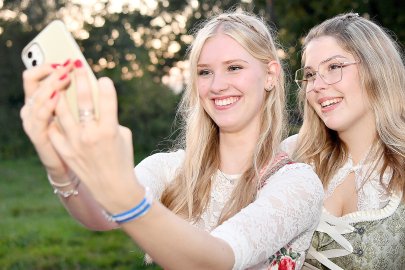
x,y
141,45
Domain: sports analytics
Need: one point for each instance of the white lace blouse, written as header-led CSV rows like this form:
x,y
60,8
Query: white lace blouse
x,y
286,211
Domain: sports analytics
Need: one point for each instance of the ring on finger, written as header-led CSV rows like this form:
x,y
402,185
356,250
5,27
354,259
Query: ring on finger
x,y
86,115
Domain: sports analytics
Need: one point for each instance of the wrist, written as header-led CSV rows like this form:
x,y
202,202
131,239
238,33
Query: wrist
x,y
120,201
67,188
122,193
137,211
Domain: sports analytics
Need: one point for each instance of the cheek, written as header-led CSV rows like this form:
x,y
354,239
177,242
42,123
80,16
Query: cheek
x,y
202,87
311,100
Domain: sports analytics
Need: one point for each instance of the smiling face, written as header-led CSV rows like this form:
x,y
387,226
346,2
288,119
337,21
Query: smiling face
x,y
342,106
231,84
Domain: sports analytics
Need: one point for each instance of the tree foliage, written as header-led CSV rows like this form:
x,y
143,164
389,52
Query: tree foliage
x,y
137,46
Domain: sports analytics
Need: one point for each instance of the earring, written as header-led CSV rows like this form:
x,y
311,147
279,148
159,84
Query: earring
x,y
268,89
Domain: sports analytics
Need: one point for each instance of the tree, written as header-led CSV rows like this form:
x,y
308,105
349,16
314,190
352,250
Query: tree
x,y
137,46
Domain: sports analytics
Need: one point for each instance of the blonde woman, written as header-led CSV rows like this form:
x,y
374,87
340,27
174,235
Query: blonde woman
x,y
352,85
225,199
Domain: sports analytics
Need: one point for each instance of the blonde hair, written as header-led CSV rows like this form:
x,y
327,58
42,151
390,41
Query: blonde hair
x,y
189,193
382,75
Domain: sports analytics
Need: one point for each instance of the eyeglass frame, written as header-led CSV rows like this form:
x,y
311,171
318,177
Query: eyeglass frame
x,y
343,64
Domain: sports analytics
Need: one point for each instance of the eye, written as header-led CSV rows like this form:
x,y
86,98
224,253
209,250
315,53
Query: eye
x,y
203,72
309,74
234,68
334,66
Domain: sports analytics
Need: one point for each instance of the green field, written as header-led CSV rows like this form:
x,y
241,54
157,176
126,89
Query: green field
x,y
37,233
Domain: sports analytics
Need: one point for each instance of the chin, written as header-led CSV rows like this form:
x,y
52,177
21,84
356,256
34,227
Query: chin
x,y
338,127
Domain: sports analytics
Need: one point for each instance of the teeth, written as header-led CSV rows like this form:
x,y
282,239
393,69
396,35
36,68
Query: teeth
x,y
330,102
226,101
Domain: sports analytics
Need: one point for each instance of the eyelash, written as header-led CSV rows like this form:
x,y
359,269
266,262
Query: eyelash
x,y
234,67
203,72
231,68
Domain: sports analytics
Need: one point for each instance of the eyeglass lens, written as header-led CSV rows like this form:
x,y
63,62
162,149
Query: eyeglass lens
x,y
330,72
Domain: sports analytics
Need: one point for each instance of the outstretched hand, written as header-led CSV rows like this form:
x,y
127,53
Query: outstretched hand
x,y
97,149
42,86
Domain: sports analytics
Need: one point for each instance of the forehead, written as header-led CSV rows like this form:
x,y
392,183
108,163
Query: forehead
x,y
222,47
322,48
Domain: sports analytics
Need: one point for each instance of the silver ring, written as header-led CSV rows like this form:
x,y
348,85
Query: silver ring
x,y
86,115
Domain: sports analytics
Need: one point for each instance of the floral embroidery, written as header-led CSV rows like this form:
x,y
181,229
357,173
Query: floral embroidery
x,y
284,259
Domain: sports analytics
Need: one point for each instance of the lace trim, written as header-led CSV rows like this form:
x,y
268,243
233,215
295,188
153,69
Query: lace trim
x,y
375,214
371,193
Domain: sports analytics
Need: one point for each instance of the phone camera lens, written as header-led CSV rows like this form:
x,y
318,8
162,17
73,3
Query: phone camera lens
x,y
29,54
34,63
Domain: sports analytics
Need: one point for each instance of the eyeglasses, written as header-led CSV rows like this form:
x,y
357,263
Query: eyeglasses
x,y
330,71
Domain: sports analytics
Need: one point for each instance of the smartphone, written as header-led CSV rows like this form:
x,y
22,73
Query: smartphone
x,y
55,44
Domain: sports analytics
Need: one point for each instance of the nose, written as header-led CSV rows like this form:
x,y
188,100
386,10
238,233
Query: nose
x,y
219,83
318,83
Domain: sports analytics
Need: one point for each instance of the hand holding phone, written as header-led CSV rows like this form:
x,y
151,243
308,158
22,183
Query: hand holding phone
x,y
55,44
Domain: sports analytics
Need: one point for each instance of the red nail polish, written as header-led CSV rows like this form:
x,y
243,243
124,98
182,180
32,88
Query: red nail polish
x,y
54,93
78,63
66,63
55,66
64,76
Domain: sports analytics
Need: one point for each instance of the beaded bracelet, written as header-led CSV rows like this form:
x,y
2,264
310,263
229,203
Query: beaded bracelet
x,y
68,193
137,211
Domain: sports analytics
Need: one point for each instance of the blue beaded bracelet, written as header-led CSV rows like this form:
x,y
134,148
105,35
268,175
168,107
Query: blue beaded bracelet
x,y
139,210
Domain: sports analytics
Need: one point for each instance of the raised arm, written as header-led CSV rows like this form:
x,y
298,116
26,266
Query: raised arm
x,y
43,87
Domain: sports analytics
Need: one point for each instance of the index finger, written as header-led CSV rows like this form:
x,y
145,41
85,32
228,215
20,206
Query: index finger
x,y
33,76
83,87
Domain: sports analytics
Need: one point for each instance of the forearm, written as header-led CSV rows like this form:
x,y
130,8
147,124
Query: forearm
x,y
175,244
85,209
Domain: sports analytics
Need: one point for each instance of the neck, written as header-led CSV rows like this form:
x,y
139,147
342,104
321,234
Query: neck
x,y
359,141
236,150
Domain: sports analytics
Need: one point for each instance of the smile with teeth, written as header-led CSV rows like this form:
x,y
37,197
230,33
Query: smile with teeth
x,y
225,101
330,102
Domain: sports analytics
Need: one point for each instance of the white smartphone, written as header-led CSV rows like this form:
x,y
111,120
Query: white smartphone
x,y
55,44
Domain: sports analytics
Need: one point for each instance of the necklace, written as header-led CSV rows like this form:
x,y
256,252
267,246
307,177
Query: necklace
x,y
230,180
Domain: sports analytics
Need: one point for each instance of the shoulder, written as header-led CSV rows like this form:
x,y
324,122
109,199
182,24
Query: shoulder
x,y
171,159
288,145
299,171
159,169
160,165
298,176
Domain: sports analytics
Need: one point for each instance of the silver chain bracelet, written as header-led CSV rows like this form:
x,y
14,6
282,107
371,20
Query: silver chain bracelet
x,y
66,194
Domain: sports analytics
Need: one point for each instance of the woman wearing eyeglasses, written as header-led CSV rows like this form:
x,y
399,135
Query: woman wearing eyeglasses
x,y
352,87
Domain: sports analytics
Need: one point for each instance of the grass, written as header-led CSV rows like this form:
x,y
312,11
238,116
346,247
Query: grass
x,y
37,233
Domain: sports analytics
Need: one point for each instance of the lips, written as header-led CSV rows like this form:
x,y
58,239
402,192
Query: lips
x,y
329,102
225,101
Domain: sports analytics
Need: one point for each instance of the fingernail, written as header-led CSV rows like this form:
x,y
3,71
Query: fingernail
x,y
66,63
63,77
54,93
78,63
55,66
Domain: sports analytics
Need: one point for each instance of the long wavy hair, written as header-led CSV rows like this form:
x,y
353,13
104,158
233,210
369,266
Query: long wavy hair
x,y
189,193
382,76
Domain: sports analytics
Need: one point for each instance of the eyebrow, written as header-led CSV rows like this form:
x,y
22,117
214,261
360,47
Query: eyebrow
x,y
225,62
328,59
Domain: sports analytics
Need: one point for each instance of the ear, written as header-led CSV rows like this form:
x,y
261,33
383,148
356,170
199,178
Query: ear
x,y
273,72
